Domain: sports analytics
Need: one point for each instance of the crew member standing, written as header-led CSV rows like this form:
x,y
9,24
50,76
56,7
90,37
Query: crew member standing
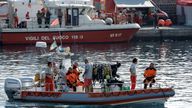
x,y
49,81
60,16
16,19
39,18
88,76
133,73
47,18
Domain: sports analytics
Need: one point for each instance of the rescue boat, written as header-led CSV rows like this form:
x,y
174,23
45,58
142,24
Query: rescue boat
x,y
79,24
23,89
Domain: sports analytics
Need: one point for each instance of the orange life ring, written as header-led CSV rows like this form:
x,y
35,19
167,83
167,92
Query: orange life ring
x,y
161,22
168,22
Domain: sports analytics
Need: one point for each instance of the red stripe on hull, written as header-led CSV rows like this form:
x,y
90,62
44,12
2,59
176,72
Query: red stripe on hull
x,y
94,36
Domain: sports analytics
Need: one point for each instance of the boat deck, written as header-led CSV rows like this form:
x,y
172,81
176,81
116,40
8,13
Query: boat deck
x,y
74,28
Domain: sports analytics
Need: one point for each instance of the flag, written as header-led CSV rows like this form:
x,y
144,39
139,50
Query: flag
x,y
60,49
53,45
55,22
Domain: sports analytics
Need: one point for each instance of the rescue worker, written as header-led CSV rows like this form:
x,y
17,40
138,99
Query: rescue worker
x,y
149,75
49,81
47,18
71,79
16,19
77,72
60,15
133,72
38,79
88,76
75,69
55,73
61,82
39,18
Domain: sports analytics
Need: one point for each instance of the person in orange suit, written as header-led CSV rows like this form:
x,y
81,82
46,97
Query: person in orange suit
x,y
75,69
49,81
149,74
71,79
77,72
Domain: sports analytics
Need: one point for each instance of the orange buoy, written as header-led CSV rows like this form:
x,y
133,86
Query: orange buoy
x,y
161,22
168,22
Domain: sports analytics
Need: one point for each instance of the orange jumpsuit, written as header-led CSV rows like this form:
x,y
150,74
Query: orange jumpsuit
x,y
149,75
49,83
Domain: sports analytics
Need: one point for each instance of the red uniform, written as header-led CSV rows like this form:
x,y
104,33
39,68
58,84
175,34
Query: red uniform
x,y
49,83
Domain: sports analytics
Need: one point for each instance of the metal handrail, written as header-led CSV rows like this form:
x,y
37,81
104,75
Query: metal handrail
x,y
32,23
103,86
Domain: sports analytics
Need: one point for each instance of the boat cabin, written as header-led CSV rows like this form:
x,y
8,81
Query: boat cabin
x,y
73,13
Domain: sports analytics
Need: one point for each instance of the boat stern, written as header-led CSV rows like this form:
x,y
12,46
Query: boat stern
x,y
11,87
14,86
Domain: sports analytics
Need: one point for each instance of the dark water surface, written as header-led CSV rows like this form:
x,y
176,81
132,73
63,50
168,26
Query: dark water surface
x,y
173,61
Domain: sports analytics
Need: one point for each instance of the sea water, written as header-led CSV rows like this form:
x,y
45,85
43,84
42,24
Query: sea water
x,y
173,61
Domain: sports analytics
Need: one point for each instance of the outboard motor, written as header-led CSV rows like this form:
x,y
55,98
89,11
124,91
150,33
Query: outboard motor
x,y
27,83
11,86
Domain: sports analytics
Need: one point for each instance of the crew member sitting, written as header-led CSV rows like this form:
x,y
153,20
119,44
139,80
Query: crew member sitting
x,y
38,79
149,75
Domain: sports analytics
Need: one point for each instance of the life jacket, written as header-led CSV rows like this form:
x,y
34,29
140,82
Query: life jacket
x,y
150,72
168,22
161,22
72,78
75,71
